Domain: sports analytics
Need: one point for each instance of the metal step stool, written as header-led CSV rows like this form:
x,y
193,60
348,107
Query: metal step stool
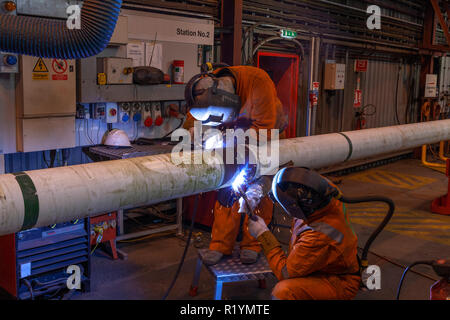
x,y
230,269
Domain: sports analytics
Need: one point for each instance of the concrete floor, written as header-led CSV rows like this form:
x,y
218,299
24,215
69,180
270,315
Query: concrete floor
x,y
414,234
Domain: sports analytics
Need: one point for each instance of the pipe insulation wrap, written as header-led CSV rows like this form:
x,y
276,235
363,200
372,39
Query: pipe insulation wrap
x,y
329,149
51,38
74,192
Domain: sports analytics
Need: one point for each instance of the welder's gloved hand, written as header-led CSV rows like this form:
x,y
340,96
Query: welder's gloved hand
x,y
254,194
258,227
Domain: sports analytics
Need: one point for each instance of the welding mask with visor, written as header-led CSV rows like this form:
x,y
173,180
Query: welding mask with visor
x,y
301,192
212,106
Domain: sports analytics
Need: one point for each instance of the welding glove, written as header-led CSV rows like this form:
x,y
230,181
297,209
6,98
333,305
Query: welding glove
x,y
254,194
258,227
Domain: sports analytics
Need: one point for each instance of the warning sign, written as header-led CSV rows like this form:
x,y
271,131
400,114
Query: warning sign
x,y
60,68
40,70
40,66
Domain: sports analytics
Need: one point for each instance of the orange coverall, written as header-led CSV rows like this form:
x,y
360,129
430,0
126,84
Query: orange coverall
x,y
322,262
260,103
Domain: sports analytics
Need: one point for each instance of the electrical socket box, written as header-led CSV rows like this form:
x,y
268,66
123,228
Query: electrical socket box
x,y
111,112
157,114
431,86
334,76
9,63
117,70
124,113
147,119
100,111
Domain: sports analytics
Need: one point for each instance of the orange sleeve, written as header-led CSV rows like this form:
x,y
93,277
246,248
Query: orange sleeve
x,y
189,122
274,253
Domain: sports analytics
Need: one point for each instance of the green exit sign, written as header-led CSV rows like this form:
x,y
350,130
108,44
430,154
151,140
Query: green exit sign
x,y
289,34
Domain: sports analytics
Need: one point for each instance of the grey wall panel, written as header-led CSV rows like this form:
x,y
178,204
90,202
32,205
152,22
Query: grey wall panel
x,y
336,112
7,114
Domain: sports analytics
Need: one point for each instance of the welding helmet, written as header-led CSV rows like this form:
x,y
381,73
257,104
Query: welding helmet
x,y
301,191
209,102
116,138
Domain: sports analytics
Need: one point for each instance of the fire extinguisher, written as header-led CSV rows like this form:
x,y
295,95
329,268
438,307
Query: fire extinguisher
x,y
360,116
314,98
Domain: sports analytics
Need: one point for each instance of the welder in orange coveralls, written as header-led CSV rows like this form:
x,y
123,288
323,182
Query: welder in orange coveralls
x,y
246,97
322,262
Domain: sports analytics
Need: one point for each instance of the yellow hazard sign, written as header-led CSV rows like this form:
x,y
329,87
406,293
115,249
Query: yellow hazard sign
x,y
40,66
40,70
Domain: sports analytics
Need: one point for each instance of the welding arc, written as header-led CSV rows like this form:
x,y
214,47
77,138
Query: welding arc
x,y
188,242
382,225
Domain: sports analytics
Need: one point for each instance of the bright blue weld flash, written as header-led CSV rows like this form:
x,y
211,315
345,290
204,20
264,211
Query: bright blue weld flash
x,y
239,180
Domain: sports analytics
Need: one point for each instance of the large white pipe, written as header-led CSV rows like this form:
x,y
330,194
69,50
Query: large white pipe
x,y
44,197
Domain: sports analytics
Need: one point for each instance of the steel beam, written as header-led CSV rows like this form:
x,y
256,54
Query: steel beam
x,y
438,13
231,43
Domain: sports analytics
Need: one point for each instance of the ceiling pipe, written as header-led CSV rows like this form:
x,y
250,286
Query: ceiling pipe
x,y
51,38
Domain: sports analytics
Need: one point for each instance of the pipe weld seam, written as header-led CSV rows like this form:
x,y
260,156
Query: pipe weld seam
x,y
350,146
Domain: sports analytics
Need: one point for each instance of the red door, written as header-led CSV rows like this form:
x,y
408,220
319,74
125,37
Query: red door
x,y
283,69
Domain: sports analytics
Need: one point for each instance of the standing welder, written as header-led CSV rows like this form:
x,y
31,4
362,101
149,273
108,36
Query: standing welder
x,y
240,95
322,262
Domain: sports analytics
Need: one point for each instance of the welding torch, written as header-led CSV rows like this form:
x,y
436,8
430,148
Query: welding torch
x,y
250,212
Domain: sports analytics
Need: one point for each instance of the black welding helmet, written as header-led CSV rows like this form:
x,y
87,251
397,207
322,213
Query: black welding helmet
x,y
301,191
211,104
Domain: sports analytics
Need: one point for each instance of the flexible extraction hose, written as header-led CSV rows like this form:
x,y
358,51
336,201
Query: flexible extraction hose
x,y
51,38
387,218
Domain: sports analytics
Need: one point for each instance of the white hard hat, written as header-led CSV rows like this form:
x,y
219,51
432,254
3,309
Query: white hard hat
x,y
116,138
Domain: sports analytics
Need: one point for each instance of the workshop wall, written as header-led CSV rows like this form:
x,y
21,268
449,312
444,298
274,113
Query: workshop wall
x,y
138,27
388,86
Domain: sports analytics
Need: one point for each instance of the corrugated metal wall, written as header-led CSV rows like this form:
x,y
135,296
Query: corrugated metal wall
x,y
336,112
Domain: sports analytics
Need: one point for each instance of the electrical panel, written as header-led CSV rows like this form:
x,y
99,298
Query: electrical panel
x,y
100,111
45,104
334,76
83,111
431,86
117,70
